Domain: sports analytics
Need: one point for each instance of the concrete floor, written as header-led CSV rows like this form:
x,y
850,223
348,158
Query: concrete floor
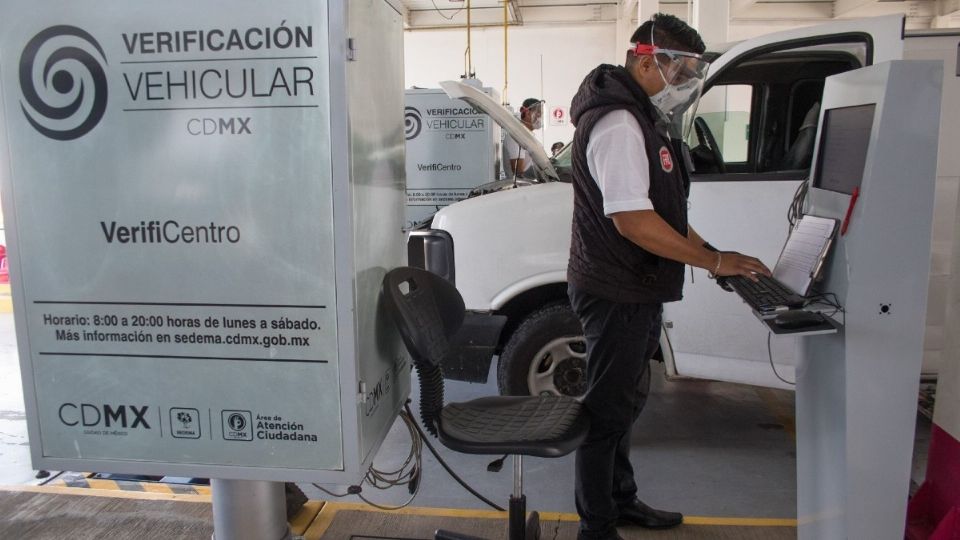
x,y
702,448
15,465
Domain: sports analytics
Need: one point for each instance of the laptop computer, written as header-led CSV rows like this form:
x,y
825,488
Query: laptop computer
x,y
798,266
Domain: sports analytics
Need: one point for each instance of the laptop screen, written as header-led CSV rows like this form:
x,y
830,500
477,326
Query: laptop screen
x,y
804,253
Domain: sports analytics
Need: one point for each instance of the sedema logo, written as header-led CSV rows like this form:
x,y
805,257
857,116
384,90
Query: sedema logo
x,y
412,123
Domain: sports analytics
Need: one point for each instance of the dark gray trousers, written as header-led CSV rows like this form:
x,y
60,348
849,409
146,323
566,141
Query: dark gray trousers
x,y
620,338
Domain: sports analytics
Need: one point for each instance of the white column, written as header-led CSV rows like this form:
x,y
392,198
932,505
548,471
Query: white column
x,y
712,19
940,21
626,9
646,9
630,15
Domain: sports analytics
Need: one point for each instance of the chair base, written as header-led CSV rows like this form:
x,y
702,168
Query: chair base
x,y
522,526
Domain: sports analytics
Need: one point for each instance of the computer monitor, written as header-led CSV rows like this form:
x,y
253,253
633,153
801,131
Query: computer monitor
x,y
844,140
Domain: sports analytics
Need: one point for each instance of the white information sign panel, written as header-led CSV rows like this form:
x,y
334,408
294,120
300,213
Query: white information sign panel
x,y
451,149
162,179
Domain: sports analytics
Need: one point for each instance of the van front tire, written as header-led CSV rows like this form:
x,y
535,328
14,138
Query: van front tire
x,y
545,355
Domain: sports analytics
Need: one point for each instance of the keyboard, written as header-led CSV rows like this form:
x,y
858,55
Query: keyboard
x,y
766,296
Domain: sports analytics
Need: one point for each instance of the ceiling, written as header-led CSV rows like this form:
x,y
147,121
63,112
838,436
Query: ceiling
x,y
429,14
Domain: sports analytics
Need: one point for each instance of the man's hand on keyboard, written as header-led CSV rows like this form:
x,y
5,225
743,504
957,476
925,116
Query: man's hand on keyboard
x,y
735,264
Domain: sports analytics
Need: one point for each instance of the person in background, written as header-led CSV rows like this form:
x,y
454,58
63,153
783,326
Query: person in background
x,y
555,148
518,163
629,244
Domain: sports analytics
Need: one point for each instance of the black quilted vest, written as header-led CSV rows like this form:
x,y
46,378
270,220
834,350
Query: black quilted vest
x,y
602,262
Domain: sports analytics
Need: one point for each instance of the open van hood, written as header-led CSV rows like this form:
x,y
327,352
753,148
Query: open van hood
x,y
506,120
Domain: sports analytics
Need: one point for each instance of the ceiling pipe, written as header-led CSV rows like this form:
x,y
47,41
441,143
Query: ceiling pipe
x,y
469,73
506,26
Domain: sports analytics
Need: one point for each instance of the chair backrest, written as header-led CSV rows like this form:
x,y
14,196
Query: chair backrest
x,y
428,311
801,151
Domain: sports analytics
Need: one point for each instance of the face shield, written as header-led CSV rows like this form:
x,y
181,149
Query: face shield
x,y
683,74
534,115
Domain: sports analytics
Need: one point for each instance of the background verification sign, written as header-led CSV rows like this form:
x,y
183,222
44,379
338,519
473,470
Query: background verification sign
x,y
162,178
451,149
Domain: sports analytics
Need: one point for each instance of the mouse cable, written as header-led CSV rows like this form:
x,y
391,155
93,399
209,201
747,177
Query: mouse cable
x,y
772,366
830,299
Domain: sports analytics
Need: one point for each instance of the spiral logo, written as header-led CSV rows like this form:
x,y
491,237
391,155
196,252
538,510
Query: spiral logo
x,y
63,83
412,123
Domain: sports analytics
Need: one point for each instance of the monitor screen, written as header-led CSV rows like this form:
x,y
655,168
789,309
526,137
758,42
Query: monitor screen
x,y
844,141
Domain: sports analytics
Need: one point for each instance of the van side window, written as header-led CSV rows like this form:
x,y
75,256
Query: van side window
x,y
724,118
761,112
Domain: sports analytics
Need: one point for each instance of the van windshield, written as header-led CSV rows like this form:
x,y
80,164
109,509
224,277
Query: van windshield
x,y
563,163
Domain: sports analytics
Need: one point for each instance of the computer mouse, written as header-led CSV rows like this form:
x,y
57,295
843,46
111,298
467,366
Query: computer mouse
x,y
798,318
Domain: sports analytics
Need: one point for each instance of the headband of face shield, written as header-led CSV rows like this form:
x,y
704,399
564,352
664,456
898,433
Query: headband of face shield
x,y
683,74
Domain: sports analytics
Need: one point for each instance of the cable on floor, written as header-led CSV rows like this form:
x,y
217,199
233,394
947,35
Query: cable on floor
x,y
408,474
402,476
51,478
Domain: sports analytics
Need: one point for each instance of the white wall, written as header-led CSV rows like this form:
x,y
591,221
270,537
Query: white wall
x,y
568,53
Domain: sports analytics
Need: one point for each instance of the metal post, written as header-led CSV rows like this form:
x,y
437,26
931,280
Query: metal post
x,y
517,518
517,475
249,510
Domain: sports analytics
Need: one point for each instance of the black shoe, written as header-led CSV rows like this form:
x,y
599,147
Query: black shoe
x,y
637,513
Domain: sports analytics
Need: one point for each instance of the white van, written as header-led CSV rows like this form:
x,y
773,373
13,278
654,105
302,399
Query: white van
x,y
507,250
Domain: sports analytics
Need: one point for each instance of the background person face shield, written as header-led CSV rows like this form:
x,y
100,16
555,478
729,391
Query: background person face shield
x,y
532,112
683,74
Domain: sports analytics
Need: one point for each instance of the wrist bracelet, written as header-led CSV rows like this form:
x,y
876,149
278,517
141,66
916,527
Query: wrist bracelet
x,y
713,275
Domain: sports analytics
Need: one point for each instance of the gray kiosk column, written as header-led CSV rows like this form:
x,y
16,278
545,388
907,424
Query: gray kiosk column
x,y
249,510
857,389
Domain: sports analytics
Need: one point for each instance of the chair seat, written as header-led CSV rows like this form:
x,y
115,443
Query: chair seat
x,y
542,426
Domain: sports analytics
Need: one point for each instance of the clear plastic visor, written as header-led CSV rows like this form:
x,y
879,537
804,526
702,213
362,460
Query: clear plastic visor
x,y
683,73
676,67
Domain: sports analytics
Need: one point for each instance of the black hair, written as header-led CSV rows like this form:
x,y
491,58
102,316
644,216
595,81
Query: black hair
x,y
530,102
669,32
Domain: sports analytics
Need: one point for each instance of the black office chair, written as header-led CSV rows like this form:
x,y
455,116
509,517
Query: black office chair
x,y
429,311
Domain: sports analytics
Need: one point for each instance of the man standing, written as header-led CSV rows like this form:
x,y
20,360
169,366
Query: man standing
x,y
515,157
630,242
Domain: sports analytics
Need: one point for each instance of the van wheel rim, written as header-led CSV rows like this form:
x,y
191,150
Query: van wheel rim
x,y
559,368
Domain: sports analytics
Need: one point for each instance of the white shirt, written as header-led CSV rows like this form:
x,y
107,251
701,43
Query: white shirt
x,y
511,151
617,159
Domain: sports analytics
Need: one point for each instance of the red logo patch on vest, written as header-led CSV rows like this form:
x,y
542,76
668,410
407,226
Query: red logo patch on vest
x,y
666,160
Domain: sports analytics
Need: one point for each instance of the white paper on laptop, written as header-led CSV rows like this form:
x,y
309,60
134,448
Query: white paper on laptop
x,y
805,249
